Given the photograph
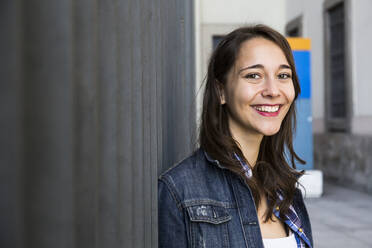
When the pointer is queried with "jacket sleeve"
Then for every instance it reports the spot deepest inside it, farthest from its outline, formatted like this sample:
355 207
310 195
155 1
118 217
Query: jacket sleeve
171 221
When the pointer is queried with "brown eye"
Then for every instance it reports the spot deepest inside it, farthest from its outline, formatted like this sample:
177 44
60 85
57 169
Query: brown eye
252 76
284 76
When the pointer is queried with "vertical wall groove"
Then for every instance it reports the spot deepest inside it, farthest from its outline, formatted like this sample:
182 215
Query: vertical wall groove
86 122
11 134
125 69
49 121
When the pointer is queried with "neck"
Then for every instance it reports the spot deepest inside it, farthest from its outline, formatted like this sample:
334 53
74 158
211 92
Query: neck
249 143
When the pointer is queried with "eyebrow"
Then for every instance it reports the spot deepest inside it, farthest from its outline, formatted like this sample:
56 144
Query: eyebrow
260 66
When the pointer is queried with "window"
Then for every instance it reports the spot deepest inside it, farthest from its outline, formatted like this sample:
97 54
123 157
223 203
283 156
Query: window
216 40
337 61
337 95
295 32
294 27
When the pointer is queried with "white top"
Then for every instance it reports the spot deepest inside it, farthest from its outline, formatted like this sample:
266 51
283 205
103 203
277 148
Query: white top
286 242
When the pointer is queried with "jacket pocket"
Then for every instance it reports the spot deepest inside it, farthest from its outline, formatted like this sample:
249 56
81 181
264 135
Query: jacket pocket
208 225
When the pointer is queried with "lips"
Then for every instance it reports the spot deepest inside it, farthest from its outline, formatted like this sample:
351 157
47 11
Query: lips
268 110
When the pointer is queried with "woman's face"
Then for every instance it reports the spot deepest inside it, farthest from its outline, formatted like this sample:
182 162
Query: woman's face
259 89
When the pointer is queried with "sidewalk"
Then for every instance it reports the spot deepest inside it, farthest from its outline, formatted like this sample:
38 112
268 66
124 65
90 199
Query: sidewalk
341 218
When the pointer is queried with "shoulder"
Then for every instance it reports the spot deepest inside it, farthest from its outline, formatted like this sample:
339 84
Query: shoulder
194 168
184 164
185 170
193 178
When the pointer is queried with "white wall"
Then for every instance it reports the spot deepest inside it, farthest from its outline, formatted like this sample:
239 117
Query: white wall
268 12
362 54
361 64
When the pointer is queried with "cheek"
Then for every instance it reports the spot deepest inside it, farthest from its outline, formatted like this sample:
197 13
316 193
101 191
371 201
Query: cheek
239 96
243 100
245 94
290 93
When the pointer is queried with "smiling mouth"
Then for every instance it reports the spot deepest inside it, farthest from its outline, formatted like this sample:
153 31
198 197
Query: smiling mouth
268 110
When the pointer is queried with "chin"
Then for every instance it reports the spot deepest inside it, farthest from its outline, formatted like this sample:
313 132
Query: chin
270 131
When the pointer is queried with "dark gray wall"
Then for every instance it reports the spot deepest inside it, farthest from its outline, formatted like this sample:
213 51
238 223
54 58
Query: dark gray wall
345 159
97 98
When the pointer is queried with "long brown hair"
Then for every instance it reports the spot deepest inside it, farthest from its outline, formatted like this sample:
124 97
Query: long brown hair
272 173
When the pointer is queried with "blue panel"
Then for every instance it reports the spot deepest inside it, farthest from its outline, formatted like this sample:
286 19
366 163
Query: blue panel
303 141
302 62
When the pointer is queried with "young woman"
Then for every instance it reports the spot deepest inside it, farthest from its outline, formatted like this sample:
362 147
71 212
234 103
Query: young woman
237 189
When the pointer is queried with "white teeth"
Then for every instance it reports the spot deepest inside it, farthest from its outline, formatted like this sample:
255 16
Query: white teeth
269 109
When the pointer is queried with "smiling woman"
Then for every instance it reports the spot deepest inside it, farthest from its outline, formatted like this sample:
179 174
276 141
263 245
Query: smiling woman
238 189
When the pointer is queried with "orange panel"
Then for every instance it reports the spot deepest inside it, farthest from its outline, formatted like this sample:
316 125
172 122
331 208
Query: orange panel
299 43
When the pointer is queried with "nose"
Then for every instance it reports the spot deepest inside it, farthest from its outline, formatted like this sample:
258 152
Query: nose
271 88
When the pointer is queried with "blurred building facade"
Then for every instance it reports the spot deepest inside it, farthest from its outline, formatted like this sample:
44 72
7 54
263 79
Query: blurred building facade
96 100
342 120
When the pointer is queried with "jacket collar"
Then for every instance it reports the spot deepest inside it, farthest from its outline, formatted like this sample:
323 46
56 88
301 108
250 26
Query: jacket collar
212 160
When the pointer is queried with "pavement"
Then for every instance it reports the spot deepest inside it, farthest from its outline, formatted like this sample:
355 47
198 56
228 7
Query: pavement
341 218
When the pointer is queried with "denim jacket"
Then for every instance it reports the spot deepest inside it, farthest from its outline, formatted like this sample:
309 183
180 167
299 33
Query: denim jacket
203 204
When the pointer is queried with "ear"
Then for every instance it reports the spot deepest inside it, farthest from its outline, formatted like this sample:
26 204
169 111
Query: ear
221 92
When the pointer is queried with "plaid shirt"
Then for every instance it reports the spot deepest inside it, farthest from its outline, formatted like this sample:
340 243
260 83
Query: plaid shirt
292 220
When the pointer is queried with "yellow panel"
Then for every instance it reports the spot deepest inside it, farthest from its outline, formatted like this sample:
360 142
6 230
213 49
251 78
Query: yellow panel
299 43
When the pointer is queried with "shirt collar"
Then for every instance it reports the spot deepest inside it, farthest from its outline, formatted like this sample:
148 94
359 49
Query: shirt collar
247 169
